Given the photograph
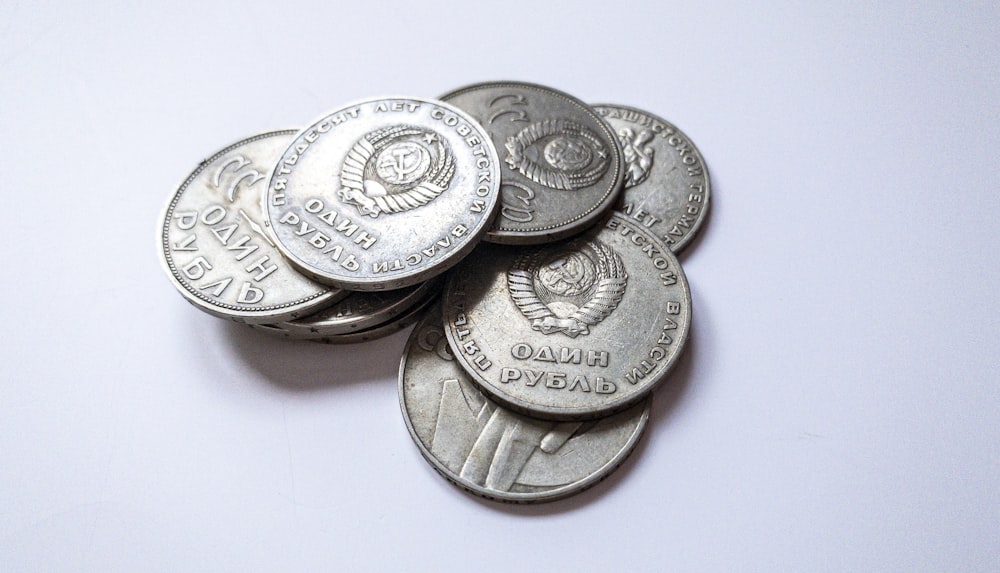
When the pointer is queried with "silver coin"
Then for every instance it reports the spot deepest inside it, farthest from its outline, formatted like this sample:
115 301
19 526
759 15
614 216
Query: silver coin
383 193
563 165
666 181
573 330
494 452
397 323
359 311
214 247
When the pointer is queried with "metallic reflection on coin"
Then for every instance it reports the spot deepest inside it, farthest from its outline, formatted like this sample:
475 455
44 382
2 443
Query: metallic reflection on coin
666 181
572 330
215 250
384 193
397 323
491 451
563 165
360 310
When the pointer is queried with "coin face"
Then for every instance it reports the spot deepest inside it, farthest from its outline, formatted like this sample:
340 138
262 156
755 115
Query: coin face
572 330
214 247
666 181
562 164
383 193
491 451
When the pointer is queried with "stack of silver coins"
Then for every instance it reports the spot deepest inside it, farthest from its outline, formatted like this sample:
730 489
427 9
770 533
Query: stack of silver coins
529 236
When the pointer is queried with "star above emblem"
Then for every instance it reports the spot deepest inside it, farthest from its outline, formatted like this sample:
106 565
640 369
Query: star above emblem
429 137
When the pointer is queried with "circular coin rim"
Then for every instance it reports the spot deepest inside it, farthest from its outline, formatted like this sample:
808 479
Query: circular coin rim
303 328
578 413
585 220
677 246
289 310
557 493
416 274
394 325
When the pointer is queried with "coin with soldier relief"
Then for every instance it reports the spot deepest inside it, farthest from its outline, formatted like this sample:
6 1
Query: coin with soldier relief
383 193
492 451
562 164
590 326
666 181
215 249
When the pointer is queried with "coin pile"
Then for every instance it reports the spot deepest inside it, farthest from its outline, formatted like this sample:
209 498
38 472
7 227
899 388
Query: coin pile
545 289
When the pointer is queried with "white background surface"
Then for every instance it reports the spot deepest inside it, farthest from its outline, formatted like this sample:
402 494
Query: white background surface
838 406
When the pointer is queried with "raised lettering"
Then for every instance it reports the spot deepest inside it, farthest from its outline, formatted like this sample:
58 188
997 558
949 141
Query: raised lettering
249 294
196 268
260 266
597 358
508 374
605 386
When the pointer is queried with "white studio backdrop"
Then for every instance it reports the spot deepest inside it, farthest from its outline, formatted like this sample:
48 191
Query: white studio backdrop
836 409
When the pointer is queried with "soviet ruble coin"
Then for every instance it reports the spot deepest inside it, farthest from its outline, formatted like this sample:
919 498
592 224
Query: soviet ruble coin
491 451
398 322
562 167
213 245
573 330
666 181
383 193
359 311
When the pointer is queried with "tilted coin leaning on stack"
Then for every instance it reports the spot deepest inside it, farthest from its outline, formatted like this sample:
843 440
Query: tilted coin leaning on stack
529 236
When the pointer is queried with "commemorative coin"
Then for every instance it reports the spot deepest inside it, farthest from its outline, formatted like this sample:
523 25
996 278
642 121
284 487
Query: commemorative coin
359 310
562 167
398 322
215 249
383 193
573 330
666 180
491 451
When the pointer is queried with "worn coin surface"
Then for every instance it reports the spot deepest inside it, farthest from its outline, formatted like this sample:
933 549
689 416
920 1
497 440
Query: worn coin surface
572 330
494 452
360 310
214 247
666 180
383 193
562 164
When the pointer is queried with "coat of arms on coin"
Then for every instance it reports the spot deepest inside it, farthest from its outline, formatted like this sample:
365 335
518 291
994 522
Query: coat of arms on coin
395 169
558 153
568 290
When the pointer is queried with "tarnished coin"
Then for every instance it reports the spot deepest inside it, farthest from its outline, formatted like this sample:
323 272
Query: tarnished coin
383 193
359 311
491 451
572 330
666 180
562 164
214 247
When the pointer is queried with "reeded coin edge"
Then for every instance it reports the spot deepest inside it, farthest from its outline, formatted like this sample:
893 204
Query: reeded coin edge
393 326
358 323
201 301
692 231
609 197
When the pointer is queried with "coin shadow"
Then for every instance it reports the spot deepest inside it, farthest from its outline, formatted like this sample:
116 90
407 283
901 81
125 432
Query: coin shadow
304 366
